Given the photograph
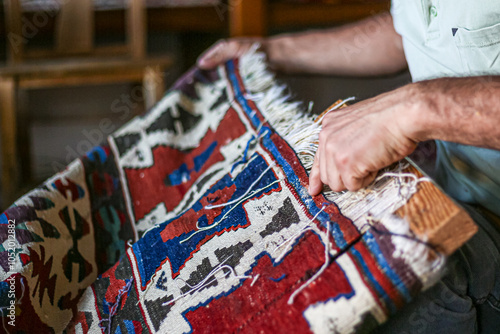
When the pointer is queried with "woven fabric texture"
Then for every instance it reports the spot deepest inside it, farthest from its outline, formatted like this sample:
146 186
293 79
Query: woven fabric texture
195 217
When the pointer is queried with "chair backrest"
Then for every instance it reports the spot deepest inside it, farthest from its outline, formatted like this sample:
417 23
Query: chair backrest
248 18
74 31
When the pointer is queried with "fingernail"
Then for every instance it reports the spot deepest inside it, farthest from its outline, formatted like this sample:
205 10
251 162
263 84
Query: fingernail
203 63
310 190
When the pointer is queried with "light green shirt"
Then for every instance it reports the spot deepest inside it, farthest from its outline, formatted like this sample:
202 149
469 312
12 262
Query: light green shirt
455 38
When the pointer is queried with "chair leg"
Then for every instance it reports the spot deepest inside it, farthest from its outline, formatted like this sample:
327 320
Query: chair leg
153 85
23 137
10 170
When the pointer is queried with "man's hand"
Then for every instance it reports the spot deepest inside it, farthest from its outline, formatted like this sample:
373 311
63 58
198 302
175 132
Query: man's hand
357 141
368 47
225 50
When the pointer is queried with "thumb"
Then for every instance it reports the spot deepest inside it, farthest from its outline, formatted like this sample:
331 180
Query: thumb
369 179
315 184
221 52
215 56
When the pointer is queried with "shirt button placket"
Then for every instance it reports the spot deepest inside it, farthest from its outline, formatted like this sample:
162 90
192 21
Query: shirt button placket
433 11
433 26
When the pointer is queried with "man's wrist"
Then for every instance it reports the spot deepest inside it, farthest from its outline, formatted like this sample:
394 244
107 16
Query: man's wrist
271 47
278 49
420 119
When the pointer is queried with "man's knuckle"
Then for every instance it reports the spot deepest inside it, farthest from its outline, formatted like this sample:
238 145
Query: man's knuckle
342 159
353 183
323 136
336 186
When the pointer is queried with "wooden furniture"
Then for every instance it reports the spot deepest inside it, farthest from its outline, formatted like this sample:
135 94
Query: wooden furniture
256 17
74 60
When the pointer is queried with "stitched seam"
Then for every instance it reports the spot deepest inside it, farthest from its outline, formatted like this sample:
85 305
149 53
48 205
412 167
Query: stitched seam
477 45
495 303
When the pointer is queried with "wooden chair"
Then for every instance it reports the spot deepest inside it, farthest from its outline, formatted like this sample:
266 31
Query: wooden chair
256 17
74 60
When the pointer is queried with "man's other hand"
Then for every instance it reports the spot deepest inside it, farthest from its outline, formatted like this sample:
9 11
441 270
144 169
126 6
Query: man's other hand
225 50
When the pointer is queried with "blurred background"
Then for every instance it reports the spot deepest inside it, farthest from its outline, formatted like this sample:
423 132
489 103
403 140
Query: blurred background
73 71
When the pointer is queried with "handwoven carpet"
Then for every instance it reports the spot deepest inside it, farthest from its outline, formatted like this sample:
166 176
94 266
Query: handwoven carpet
195 217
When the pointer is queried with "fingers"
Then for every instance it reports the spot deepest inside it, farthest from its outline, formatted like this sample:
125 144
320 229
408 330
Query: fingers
338 174
225 50
323 173
315 184
354 183
216 55
329 171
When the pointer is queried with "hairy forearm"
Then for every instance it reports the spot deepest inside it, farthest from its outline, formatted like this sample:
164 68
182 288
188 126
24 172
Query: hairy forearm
461 110
368 47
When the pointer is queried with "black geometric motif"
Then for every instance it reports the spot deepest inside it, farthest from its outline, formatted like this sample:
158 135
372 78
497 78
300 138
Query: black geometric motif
159 309
166 122
232 255
126 142
187 119
74 256
285 217
222 98
199 275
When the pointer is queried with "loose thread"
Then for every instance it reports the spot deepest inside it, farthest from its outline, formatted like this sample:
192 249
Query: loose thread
254 96
207 281
400 179
205 228
405 185
244 160
112 310
147 288
320 271
194 286
254 279
337 106
410 187
245 153
400 176
149 229
310 107
278 279
253 157
209 207
294 236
